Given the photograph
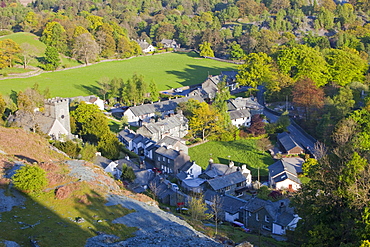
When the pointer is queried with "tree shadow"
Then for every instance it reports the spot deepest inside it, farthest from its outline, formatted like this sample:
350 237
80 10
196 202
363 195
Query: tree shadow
190 76
89 89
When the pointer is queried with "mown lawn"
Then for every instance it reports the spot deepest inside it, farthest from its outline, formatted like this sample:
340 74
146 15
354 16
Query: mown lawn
168 71
241 152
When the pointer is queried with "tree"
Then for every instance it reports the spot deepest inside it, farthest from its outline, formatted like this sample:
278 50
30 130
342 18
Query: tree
255 71
302 61
28 52
88 152
342 102
109 146
127 173
206 50
257 125
30 178
216 207
345 66
9 51
2 106
307 95
85 48
52 59
153 90
198 208
236 52
205 121
55 35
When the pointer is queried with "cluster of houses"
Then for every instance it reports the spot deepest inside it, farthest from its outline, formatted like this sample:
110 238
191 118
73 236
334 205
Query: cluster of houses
158 141
164 156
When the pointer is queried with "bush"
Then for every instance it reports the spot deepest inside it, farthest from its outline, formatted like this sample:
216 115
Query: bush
30 179
127 173
69 147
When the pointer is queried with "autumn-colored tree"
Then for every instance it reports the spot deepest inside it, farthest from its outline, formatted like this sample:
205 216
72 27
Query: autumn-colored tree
257 125
9 51
206 50
54 35
307 95
205 121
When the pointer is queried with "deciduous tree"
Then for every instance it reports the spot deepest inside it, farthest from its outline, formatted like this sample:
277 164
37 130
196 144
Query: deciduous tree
85 48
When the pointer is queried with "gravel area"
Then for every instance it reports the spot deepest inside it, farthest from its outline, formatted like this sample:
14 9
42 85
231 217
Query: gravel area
80 171
156 228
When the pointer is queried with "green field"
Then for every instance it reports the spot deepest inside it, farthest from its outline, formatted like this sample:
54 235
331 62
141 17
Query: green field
168 70
241 152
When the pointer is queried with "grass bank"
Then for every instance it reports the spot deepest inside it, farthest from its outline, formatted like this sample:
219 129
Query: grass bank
241 152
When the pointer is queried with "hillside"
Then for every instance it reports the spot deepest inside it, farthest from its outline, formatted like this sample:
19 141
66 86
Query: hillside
73 207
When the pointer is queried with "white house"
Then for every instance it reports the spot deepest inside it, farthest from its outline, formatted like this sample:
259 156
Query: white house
145 46
283 176
240 118
285 221
91 99
112 169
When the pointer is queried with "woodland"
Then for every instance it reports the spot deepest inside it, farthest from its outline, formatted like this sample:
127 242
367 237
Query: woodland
314 54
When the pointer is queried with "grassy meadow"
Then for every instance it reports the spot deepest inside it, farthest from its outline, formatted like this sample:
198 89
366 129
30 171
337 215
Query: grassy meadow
168 71
241 152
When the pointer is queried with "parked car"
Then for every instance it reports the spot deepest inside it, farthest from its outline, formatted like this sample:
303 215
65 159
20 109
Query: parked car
156 170
241 225
175 186
178 90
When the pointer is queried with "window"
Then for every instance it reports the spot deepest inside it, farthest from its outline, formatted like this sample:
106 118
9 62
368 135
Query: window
159 158
168 161
164 159
249 214
267 218
257 217
266 228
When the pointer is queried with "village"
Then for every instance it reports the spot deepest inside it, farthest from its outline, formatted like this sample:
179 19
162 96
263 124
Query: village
165 168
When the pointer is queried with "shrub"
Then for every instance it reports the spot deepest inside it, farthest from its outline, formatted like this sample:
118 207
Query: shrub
30 179
127 173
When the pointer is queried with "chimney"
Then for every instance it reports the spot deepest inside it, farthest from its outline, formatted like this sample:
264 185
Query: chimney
282 207
210 161
231 164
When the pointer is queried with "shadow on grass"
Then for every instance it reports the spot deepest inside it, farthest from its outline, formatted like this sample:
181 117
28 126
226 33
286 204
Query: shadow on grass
191 75
89 89
29 160
38 222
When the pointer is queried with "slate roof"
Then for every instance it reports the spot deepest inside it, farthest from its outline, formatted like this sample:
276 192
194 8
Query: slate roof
296 162
287 141
168 141
44 123
231 75
214 170
232 204
127 135
143 44
162 106
281 166
237 114
168 153
284 219
226 180
255 204
138 138
210 85
243 103
285 176
166 124
102 161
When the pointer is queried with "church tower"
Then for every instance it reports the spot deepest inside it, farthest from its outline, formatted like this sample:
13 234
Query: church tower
58 108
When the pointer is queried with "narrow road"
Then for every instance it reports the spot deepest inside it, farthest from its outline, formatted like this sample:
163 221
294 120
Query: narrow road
299 136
